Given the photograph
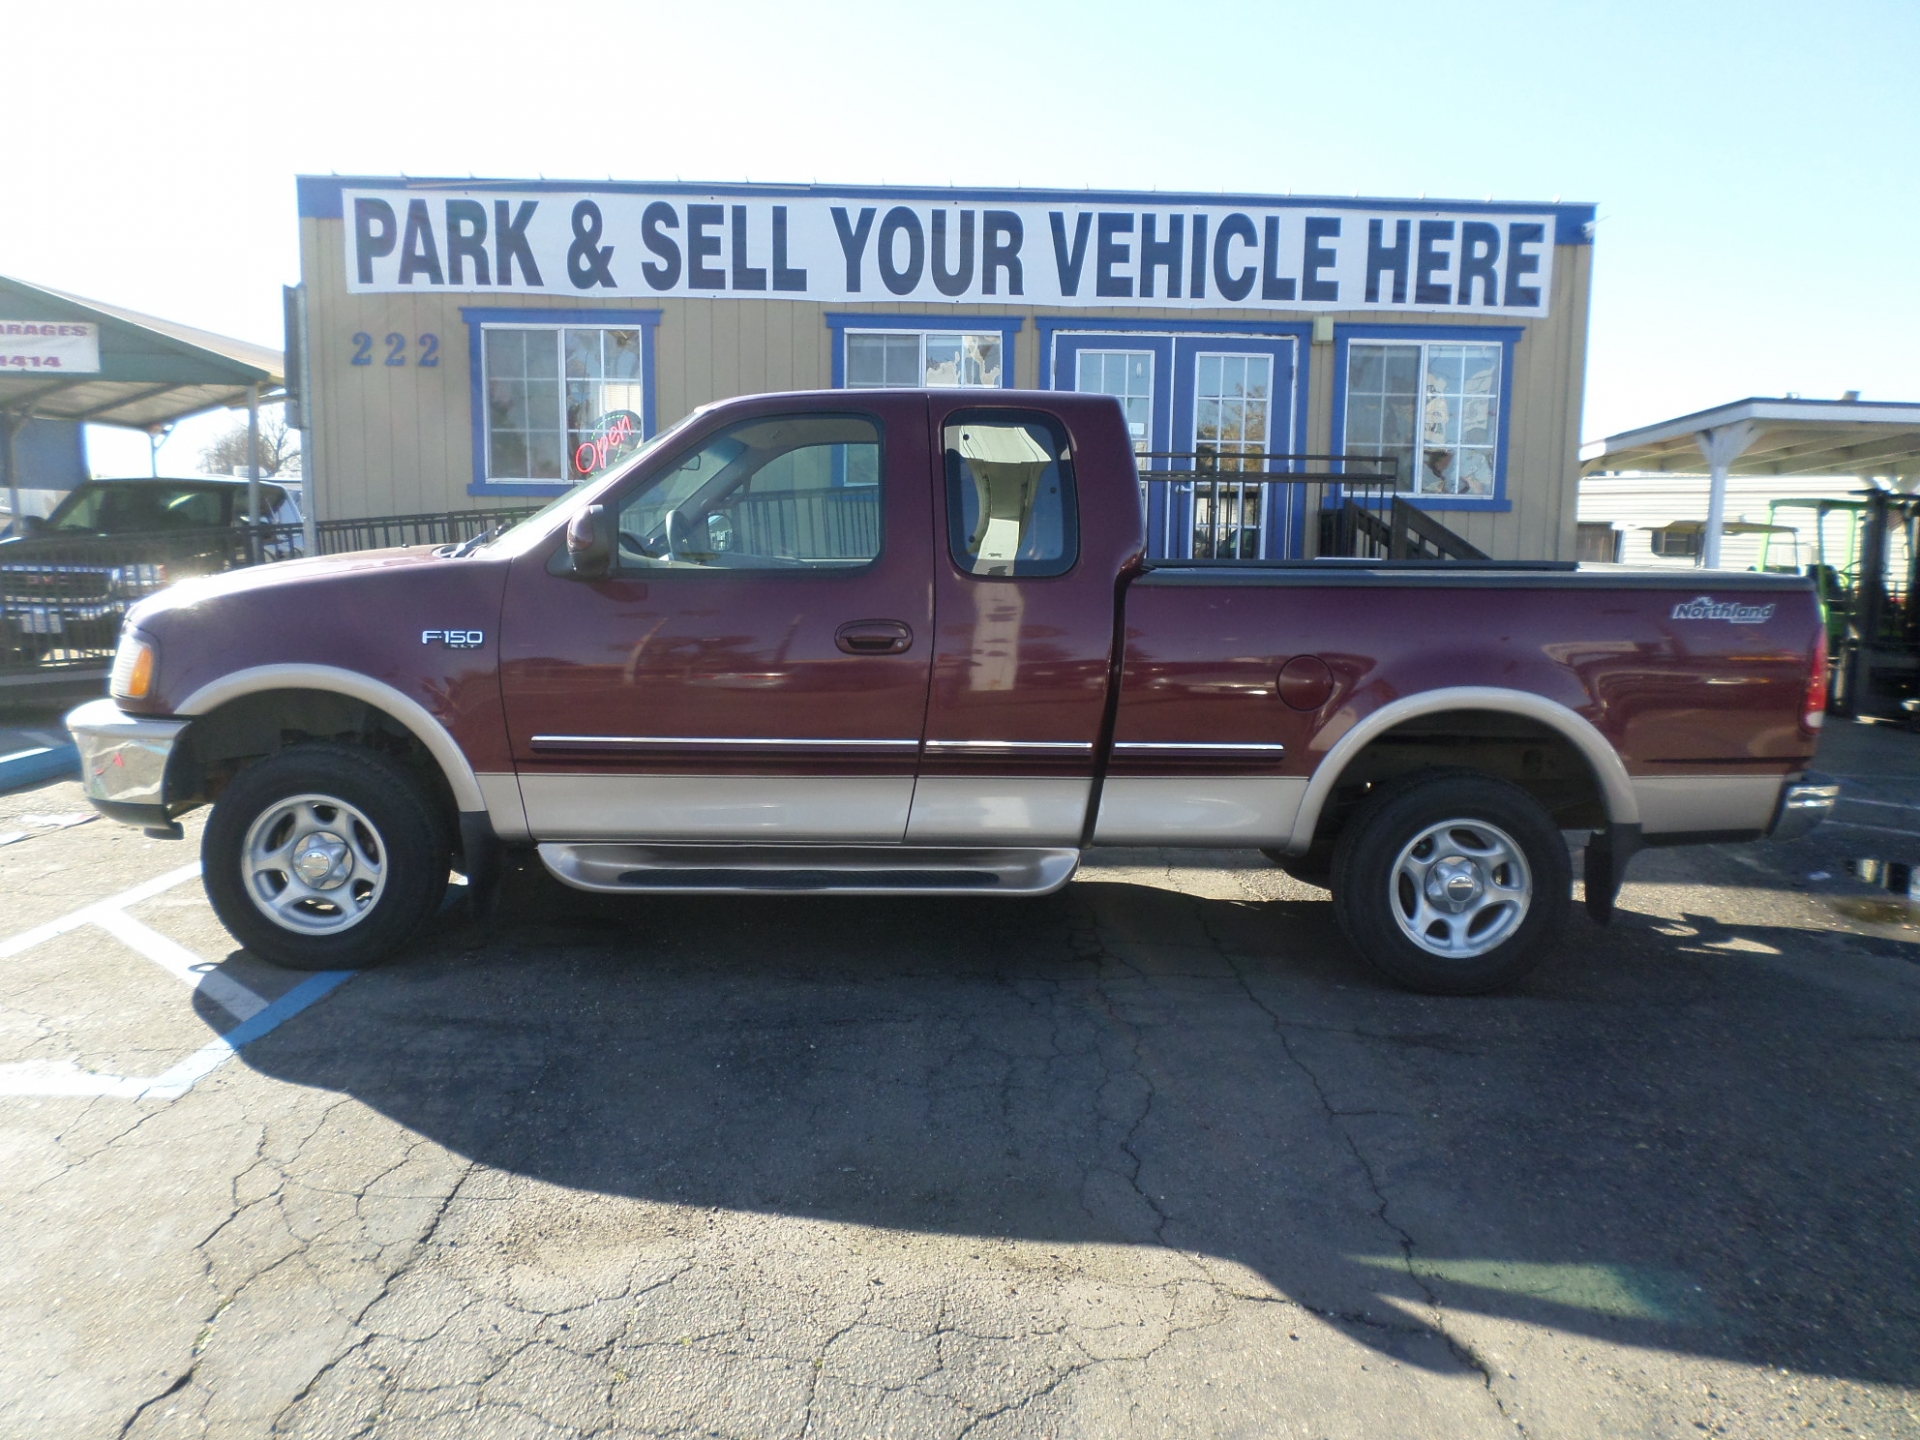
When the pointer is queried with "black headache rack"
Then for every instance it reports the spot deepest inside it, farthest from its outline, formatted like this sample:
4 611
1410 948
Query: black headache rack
63 597
1211 506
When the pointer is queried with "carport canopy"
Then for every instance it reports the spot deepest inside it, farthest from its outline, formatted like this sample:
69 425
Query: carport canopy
1873 439
147 372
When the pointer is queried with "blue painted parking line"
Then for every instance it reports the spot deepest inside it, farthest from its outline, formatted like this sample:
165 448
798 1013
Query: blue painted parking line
38 764
50 1079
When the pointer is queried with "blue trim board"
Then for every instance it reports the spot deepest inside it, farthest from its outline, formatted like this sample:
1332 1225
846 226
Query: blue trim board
319 197
841 321
478 316
1506 336
45 762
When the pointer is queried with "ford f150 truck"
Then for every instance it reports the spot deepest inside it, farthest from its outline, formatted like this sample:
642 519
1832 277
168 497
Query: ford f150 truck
907 642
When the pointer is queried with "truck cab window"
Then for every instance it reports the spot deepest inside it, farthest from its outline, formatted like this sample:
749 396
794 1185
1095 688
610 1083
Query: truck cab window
1010 501
784 492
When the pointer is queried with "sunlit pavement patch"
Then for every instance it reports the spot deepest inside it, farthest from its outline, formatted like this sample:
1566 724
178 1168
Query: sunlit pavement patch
256 1013
1630 1292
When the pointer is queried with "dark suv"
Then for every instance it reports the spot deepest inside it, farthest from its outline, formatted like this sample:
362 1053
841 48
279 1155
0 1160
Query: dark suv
66 580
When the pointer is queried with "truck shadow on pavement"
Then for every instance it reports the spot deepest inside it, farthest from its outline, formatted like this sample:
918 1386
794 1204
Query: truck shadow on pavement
1662 1141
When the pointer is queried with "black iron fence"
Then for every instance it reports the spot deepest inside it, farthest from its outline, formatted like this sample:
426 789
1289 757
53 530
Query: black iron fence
62 598
1219 505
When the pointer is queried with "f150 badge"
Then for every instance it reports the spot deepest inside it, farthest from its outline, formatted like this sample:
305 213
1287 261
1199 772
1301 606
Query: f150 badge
1708 608
454 639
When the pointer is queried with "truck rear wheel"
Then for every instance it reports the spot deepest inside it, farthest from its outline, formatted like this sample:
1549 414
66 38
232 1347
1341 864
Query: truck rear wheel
324 857
1452 883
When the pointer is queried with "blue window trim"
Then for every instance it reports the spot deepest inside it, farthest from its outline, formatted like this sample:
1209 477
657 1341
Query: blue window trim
1506 336
478 316
841 321
1300 332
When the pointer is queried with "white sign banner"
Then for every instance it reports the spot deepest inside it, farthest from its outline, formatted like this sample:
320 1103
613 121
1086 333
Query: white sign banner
43 345
619 243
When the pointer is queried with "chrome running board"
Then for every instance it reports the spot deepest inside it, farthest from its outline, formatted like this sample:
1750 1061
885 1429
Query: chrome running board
621 869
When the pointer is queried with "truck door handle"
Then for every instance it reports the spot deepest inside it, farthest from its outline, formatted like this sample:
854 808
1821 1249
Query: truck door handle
874 637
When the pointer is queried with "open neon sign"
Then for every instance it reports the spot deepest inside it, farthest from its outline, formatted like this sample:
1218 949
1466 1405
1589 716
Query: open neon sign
613 438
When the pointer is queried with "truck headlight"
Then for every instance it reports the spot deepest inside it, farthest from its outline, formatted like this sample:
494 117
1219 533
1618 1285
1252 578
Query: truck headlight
133 661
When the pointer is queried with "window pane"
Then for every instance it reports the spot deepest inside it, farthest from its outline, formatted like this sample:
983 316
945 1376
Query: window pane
1366 369
543 350
903 361
983 361
623 354
509 455
1010 505
506 352
1259 376
543 455
583 353
1209 375
777 493
943 360
866 361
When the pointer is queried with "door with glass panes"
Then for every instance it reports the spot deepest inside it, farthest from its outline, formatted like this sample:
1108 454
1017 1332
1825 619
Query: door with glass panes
1219 402
1233 408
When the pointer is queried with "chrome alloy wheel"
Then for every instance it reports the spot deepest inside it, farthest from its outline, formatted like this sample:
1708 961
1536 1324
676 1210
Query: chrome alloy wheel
1460 888
314 865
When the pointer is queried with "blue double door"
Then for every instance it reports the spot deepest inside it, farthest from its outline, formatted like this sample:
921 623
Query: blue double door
1223 403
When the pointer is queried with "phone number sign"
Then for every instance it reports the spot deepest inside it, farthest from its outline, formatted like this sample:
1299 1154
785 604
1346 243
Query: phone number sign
68 347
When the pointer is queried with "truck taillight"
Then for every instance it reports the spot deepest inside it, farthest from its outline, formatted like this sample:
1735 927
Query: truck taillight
1814 714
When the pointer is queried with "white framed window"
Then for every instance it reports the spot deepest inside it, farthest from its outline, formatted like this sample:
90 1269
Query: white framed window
1432 405
551 389
911 359
1127 375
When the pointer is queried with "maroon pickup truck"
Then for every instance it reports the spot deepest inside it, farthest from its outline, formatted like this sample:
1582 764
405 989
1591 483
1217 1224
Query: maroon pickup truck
907 643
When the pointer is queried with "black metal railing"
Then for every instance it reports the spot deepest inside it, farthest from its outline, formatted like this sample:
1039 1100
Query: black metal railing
1212 504
62 597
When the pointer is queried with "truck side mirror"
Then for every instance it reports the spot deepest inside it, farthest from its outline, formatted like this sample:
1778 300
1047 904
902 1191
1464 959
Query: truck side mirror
590 543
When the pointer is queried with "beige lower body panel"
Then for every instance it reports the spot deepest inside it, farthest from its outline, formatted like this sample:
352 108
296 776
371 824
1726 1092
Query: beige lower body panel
1676 804
998 810
779 809
1198 809
504 810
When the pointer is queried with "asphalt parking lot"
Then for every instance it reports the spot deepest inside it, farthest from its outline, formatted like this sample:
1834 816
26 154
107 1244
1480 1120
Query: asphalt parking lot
1153 1156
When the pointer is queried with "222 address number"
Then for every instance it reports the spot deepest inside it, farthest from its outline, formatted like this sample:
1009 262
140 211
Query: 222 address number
396 345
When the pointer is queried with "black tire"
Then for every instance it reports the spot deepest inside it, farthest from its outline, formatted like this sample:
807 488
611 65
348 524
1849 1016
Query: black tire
1503 928
1314 868
308 803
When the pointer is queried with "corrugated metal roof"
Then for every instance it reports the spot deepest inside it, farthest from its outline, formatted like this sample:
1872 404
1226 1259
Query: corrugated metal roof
152 371
1792 437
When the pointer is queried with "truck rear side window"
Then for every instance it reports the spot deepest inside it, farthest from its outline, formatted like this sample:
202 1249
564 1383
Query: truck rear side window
1010 501
780 493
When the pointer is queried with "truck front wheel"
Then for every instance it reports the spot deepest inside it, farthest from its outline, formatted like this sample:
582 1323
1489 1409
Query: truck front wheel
324 857
1452 883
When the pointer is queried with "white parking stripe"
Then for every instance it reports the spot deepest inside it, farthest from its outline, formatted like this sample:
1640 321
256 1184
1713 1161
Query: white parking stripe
51 1079
40 934
236 999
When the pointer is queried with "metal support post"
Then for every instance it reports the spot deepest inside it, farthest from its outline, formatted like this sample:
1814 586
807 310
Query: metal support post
253 473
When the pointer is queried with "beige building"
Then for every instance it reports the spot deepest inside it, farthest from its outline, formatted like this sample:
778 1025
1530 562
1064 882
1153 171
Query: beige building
480 343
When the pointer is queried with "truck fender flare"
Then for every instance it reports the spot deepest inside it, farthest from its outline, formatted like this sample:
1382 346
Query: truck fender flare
1615 785
408 711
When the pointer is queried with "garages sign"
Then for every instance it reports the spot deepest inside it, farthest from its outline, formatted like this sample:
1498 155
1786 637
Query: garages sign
43 345
1478 261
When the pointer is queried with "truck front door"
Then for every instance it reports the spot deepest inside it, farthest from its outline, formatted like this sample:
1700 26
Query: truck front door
756 666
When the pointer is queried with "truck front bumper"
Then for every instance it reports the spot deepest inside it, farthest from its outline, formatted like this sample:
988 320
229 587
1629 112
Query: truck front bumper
1804 803
123 761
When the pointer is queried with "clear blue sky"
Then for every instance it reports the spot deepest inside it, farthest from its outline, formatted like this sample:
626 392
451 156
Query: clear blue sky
1756 165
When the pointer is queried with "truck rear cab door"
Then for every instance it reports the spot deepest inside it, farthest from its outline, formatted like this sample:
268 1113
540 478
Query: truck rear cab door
1025 574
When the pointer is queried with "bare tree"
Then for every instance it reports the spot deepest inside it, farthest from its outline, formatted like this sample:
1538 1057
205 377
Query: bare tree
279 449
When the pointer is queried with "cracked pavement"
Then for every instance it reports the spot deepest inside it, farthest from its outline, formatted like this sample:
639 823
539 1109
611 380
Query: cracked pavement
1153 1156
